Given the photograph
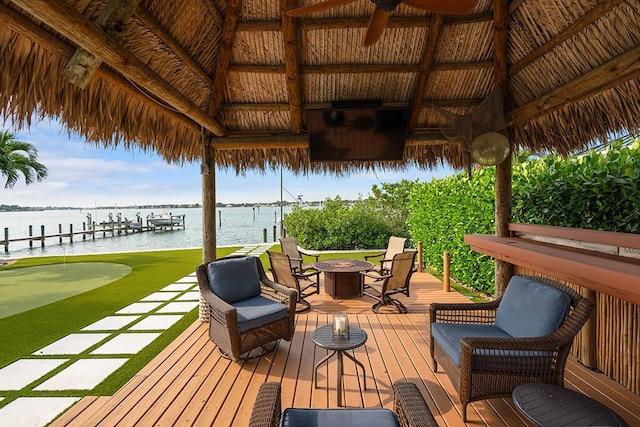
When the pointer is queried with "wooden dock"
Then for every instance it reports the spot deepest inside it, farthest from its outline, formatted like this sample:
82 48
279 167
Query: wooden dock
92 230
190 384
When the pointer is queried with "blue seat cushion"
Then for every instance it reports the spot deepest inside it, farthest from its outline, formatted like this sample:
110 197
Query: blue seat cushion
258 311
448 336
531 309
294 417
234 279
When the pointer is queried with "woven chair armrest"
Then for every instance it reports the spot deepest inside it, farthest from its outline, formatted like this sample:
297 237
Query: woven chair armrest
278 288
267 408
366 257
221 310
410 407
474 313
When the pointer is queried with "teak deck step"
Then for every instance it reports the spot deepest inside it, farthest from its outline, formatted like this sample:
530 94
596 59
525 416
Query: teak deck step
190 384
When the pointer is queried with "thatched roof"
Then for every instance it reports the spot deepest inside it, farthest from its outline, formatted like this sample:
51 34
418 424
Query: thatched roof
240 74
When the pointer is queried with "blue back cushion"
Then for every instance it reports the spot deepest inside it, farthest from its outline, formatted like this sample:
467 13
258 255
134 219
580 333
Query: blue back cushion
531 309
234 279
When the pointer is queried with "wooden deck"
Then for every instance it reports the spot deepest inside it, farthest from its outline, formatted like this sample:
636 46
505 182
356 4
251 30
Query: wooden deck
189 384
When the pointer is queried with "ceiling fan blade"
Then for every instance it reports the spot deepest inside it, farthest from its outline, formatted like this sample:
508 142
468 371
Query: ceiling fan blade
452 7
376 26
317 7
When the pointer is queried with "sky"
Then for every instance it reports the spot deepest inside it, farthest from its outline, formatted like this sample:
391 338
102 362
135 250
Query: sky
81 175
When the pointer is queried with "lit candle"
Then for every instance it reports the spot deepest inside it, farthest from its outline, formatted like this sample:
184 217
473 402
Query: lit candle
340 325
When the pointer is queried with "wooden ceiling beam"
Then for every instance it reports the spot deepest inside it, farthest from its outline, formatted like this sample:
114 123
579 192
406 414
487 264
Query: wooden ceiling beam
358 68
578 26
260 141
83 65
157 29
615 72
292 64
67 21
306 24
500 26
21 25
426 66
427 103
223 60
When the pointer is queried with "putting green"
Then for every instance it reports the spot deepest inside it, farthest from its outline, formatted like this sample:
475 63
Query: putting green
23 289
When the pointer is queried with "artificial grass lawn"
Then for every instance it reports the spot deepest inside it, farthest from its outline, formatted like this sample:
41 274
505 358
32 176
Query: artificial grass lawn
23 333
26 288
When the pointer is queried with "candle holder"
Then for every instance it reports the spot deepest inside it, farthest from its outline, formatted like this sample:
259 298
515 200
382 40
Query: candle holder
340 327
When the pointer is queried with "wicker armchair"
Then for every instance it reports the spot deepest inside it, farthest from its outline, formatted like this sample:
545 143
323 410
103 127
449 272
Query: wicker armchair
284 273
247 310
502 344
394 281
408 405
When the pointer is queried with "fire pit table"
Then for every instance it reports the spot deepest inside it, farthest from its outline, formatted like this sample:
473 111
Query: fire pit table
342 277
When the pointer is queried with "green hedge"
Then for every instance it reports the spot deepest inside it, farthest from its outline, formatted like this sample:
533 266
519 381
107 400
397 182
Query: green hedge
599 190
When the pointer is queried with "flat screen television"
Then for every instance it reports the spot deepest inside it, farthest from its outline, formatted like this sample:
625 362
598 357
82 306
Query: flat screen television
358 134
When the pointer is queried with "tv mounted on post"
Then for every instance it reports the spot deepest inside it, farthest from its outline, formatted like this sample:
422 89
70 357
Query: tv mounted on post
365 133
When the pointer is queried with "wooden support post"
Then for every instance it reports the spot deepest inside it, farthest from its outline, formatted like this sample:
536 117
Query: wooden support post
589 333
208 215
446 279
420 269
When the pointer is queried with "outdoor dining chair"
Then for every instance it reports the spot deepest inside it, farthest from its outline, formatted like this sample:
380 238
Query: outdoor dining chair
247 310
285 273
296 254
395 246
392 281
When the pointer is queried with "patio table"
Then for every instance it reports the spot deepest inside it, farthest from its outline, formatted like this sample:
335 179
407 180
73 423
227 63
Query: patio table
342 277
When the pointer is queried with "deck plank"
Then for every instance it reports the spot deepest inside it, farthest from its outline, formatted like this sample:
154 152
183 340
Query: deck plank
190 384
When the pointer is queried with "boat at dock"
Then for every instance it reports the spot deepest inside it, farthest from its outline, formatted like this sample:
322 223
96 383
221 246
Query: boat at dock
165 220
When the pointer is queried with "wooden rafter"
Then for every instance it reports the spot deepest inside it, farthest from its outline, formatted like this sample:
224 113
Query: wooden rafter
597 12
306 24
617 71
157 29
426 66
427 103
232 12
357 68
83 65
292 64
67 21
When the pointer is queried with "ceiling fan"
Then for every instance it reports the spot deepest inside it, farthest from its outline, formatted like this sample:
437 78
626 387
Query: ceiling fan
385 7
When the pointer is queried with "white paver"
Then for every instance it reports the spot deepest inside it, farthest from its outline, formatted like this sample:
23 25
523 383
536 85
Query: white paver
177 287
111 323
179 307
188 279
23 372
156 322
126 343
139 308
84 374
34 411
189 296
71 344
160 296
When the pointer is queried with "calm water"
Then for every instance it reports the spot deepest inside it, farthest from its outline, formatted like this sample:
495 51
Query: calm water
234 226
